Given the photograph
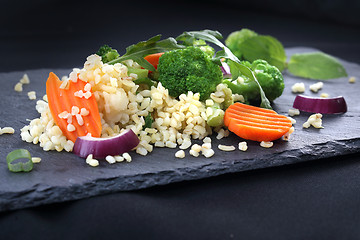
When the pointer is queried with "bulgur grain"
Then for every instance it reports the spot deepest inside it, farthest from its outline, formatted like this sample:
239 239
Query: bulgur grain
194 153
25 79
298 88
36 159
242 146
7 130
324 95
18 87
266 144
127 157
352 79
32 95
110 159
180 154
226 148
208 152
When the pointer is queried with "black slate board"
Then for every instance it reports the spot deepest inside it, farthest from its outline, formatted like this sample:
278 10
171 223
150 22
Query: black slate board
63 176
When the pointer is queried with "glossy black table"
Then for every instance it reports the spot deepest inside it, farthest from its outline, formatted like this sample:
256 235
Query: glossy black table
312 200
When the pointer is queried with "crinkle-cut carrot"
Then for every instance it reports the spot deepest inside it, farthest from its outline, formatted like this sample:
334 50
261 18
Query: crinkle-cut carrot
153 59
254 123
62 100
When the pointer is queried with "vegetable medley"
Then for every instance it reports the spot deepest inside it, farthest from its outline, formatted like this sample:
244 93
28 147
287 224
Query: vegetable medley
164 93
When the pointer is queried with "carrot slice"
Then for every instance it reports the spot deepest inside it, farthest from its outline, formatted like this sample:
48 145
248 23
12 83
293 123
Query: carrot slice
153 59
254 123
61 101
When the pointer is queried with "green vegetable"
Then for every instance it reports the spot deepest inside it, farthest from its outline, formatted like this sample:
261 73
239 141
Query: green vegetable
235 39
269 77
140 72
148 121
107 53
189 69
207 49
248 45
316 65
266 48
20 166
147 81
138 51
142 76
238 67
217 118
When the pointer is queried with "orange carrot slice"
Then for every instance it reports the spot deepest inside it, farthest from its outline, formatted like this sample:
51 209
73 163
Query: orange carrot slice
254 123
72 123
153 59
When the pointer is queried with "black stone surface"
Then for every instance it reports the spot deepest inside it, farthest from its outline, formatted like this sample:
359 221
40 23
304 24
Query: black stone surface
63 176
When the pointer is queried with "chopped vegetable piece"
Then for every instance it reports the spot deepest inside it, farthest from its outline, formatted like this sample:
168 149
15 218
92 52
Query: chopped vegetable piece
62 100
225 70
254 123
100 148
320 105
19 166
189 69
153 59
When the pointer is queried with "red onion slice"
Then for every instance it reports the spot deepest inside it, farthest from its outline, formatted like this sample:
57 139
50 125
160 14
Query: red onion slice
320 105
102 147
225 70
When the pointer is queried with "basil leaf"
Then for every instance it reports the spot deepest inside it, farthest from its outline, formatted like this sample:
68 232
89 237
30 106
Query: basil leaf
264 47
213 37
234 40
316 65
138 51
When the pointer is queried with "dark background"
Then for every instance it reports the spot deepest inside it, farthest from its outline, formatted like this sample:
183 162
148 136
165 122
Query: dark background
313 200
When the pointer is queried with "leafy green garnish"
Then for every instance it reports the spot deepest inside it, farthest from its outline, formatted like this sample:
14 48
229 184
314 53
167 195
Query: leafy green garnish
213 37
250 46
316 65
148 121
264 47
138 51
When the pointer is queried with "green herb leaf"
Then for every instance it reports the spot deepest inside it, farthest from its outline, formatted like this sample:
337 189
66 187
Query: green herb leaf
138 51
236 38
316 65
19 154
213 37
264 47
148 121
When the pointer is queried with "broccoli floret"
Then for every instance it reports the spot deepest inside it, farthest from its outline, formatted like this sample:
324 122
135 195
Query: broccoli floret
107 53
234 40
269 77
207 49
189 69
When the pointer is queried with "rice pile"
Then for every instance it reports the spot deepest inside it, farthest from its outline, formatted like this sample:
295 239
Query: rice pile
124 104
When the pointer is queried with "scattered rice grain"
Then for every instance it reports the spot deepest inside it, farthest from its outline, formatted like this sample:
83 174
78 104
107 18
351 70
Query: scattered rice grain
266 144
36 159
243 146
226 148
180 154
